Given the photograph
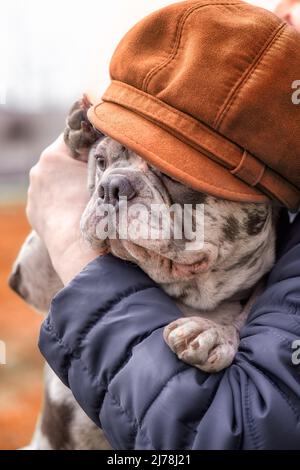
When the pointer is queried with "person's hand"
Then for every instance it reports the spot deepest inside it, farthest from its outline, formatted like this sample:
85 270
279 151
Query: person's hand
57 196
289 10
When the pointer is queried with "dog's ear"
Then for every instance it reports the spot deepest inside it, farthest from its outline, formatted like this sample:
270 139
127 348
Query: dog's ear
79 134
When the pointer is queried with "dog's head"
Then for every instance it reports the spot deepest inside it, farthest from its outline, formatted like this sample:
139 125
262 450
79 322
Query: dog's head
234 249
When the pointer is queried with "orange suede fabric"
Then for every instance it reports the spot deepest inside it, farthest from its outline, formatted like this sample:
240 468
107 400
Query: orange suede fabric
203 90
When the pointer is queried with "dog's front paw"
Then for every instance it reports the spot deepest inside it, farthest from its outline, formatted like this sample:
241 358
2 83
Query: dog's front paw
79 134
202 343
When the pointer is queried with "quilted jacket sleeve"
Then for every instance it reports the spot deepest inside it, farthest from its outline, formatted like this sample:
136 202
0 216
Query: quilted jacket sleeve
103 337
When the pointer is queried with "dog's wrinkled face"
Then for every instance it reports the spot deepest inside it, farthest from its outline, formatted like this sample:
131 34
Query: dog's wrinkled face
238 238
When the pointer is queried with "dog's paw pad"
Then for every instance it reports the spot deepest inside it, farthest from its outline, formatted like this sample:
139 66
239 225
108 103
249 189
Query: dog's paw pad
79 134
202 343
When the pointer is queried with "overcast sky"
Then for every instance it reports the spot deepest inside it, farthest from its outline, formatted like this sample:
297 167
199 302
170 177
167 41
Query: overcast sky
52 50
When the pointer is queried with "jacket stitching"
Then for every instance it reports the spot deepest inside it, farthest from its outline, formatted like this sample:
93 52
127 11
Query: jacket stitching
157 394
98 383
179 371
119 367
131 419
245 340
51 330
67 364
252 431
294 409
74 353
105 310
277 335
211 399
71 355
233 95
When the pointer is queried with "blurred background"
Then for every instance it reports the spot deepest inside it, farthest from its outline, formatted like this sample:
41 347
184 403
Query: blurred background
51 52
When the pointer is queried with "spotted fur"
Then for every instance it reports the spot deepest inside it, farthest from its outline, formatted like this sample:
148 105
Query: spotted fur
239 248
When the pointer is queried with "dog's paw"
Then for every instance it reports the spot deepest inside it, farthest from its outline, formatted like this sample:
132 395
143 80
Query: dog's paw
202 343
79 134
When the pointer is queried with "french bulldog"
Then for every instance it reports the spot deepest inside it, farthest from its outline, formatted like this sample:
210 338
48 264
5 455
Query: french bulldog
214 285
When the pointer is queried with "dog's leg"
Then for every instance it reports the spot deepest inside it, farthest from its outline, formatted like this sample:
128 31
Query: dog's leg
203 343
210 342
62 424
33 277
79 134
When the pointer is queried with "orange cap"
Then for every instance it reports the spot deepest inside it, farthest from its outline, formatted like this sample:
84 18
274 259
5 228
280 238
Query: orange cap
203 90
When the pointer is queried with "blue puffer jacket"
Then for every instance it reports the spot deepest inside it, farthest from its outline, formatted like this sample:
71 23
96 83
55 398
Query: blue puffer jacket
103 337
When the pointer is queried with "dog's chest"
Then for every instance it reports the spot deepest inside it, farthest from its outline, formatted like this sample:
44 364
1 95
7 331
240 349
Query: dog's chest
191 301
225 314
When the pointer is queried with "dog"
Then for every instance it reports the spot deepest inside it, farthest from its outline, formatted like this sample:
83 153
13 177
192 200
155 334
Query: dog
214 286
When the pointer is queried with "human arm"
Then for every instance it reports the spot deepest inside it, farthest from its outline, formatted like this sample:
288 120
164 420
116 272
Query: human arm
57 196
104 338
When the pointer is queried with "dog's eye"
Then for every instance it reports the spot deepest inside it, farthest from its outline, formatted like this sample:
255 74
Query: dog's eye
101 162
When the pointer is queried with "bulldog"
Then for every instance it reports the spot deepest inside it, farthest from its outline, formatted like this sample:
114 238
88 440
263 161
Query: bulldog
214 285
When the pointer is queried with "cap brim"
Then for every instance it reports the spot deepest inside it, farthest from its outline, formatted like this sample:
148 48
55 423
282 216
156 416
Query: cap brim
169 154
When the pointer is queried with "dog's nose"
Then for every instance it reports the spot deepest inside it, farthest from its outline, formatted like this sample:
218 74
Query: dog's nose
114 187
